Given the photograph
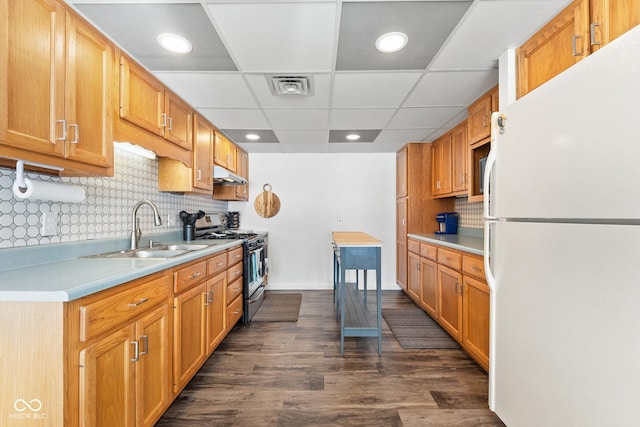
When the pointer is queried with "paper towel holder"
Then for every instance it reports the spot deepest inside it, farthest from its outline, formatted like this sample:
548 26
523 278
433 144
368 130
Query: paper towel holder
20 171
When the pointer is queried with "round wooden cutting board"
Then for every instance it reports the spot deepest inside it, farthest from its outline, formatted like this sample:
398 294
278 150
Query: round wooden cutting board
267 204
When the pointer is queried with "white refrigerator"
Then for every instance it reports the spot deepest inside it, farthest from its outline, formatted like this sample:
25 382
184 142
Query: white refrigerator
562 247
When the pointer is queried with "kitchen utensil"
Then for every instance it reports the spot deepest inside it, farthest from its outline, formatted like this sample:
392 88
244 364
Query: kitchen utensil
267 204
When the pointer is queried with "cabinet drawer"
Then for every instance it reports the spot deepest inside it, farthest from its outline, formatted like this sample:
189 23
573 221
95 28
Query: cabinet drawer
473 266
234 272
107 313
234 312
450 259
234 256
413 246
428 251
188 276
234 289
217 264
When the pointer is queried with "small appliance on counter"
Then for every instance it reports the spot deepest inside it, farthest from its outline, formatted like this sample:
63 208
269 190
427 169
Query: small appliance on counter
448 222
189 223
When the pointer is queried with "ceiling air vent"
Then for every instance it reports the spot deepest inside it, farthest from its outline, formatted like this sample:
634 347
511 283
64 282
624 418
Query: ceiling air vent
290 85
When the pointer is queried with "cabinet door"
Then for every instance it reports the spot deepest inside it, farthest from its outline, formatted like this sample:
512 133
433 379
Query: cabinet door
32 73
429 282
177 121
88 94
242 191
216 310
479 121
557 46
475 336
189 335
401 173
107 386
441 164
141 97
401 242
414 287
234 312
203 154
460 152
612 18
221 156
153 383
450 301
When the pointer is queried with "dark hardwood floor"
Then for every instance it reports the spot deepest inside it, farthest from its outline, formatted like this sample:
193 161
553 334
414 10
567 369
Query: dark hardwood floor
292 374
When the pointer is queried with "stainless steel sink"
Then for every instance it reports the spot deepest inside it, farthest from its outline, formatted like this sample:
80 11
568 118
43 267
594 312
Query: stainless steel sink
156 252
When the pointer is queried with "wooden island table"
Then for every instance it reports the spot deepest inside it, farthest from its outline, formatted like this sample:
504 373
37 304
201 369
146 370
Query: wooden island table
354 250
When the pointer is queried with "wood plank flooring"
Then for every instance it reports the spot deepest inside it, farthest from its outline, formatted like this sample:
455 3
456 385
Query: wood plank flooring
292 374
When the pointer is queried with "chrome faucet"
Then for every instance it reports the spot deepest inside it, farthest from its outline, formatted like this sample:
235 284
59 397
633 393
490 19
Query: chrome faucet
135 226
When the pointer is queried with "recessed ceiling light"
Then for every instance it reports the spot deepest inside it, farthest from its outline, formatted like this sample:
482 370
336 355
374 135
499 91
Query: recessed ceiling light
174 43
353 137
391 42
252 136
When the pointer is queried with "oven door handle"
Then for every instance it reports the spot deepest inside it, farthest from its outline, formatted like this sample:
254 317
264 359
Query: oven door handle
256 295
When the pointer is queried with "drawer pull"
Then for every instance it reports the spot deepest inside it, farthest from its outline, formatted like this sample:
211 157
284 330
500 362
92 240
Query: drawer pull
194 275
220 264
140 302
136 351
145 341
475 268
236 311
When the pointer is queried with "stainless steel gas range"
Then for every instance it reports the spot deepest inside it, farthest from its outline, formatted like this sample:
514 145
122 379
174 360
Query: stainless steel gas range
255 259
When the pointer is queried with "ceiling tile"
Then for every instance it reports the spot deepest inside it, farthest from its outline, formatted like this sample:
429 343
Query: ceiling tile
403 135
451 87
210 90
240 135
427 24
308 118
490 27
320 98
235 118
136 26
274 37
372 89
429 117
364 118
340 136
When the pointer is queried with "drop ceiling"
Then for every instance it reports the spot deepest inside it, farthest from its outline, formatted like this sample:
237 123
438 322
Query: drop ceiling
416 94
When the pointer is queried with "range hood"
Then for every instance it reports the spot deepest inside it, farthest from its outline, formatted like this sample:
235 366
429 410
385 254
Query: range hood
222 176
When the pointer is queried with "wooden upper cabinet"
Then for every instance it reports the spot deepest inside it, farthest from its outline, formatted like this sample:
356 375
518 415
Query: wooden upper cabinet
610 19
177 119
203 154
459 154
141 97
401 173
151 116
479 116
441 160
242 169
55 88
224 153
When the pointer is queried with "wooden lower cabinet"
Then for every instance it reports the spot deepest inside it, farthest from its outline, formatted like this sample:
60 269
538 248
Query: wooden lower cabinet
189 335
216 306
450 301
450 286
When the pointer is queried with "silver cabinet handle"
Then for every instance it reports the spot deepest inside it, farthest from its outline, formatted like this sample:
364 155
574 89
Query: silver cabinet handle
170 123
76 128
574 45
164 120
220 264
145 341
139 302
212 293
199 175
64 130
592 33
194 275
136 351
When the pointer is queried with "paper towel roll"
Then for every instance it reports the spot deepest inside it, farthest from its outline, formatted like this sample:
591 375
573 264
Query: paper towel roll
52 191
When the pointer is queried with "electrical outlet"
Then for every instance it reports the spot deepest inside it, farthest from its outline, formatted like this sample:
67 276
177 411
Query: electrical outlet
340 217
49 223
170 221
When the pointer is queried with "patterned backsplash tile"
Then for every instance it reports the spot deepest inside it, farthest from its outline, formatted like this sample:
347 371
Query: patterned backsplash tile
470 213
106 212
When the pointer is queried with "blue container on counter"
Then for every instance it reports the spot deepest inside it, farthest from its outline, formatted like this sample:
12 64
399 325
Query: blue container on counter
448 222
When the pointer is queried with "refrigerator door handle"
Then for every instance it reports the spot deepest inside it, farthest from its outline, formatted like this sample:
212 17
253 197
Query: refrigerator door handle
497 126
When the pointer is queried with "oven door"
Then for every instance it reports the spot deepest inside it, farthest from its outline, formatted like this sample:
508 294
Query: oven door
256 269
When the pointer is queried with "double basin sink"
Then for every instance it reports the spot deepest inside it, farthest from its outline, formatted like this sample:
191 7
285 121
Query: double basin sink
158 251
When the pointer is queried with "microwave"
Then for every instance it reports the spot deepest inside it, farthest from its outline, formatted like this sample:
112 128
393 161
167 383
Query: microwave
482 162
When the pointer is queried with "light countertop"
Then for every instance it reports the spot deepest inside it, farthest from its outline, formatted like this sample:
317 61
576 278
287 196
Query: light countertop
57 272
472 242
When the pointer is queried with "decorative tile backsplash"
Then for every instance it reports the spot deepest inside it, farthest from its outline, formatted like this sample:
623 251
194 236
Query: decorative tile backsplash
470 213
106 212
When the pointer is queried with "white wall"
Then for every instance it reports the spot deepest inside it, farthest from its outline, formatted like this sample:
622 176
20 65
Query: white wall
313 189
